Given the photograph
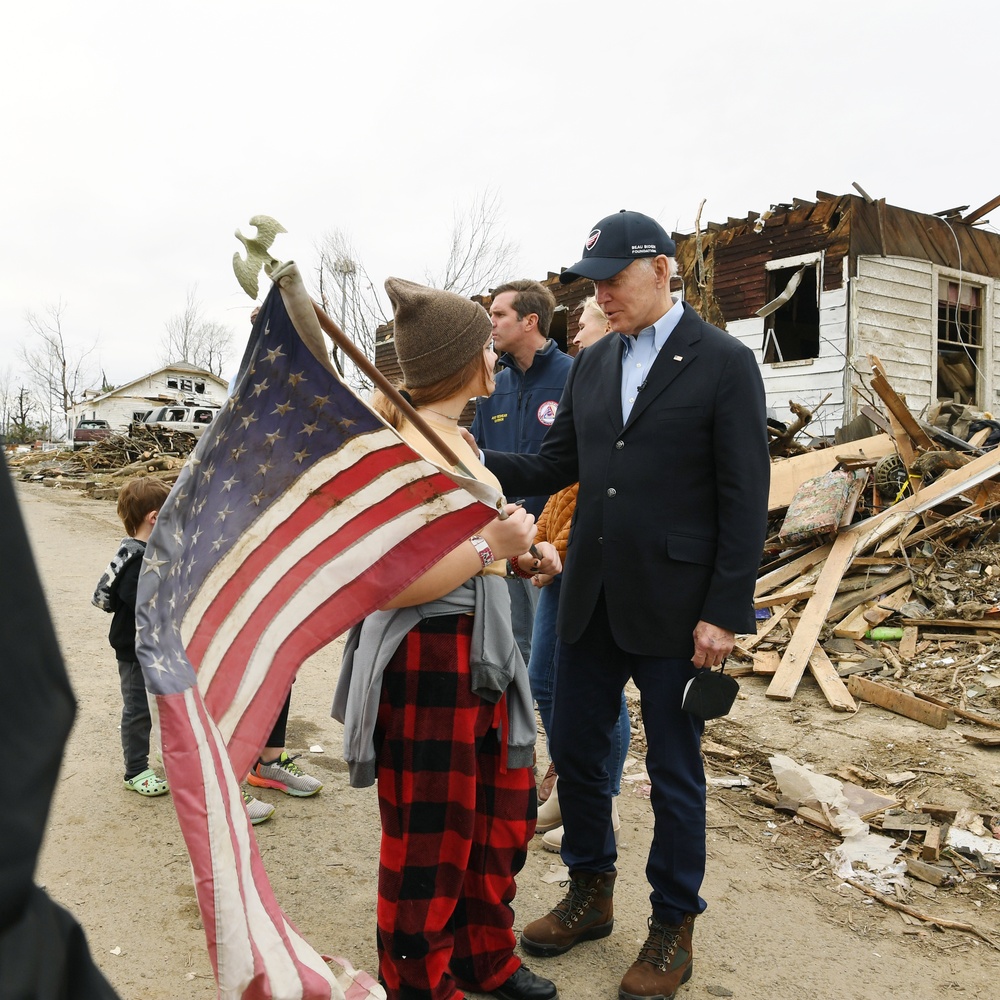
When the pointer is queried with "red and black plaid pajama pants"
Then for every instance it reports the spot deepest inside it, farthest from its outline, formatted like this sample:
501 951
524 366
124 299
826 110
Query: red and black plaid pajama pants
455 822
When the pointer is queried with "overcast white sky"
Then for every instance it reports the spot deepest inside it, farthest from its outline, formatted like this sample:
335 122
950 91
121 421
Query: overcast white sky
138 136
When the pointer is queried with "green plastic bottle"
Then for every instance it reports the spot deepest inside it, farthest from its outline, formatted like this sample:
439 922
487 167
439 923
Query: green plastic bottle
883 634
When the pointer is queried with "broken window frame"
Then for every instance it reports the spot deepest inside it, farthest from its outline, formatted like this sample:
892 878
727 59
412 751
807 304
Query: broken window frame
973 299
771 350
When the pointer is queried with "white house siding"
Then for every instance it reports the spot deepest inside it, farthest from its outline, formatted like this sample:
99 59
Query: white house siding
119 405
894 307
805 382
992 398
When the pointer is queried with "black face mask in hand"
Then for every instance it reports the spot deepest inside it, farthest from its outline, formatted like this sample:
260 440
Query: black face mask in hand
710 694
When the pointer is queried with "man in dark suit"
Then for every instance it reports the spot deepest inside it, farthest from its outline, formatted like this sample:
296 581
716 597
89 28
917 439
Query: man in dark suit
664 427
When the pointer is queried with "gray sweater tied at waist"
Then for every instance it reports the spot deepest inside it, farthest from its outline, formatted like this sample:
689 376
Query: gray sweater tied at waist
495 663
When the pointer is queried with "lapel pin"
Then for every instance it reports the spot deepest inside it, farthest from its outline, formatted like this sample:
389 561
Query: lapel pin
678 357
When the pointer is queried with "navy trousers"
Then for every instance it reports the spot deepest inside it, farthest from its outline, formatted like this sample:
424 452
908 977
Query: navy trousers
590 677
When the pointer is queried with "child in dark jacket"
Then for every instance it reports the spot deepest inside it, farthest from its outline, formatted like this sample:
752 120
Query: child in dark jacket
139 502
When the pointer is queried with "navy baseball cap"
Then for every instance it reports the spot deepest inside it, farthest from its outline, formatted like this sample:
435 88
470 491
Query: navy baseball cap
617 241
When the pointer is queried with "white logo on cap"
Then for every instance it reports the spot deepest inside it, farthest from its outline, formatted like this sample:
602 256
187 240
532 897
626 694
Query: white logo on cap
592 239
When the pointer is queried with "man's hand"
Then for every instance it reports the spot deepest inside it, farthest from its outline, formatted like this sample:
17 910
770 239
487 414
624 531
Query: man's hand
470 441
711 644
546 563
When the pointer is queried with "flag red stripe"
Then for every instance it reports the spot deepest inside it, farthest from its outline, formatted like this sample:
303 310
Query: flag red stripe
300 520
338 612
225 681
183 762
342 484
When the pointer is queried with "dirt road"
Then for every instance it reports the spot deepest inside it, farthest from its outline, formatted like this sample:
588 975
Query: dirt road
779 924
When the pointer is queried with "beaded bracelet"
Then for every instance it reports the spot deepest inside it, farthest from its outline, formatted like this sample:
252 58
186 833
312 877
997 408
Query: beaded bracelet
518 571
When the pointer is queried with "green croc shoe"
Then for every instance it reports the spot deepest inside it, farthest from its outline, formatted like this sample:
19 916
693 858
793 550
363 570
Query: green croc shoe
148 783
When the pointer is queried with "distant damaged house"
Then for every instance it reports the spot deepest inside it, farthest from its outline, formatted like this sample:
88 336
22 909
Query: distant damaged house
814 288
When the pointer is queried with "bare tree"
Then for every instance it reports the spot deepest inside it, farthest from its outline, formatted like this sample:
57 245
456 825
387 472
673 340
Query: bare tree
6 400
191 338
19 426
59 374
348 295
481 255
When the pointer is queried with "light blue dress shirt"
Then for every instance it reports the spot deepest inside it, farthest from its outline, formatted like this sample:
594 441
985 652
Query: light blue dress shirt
640 353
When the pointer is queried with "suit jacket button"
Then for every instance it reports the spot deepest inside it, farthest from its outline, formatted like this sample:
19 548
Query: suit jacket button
600 539
612 492
619 445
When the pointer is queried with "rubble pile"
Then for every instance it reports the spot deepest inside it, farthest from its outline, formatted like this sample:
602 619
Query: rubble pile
100 468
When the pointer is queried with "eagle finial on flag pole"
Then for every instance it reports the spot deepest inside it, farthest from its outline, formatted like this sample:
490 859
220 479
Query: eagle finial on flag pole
248 270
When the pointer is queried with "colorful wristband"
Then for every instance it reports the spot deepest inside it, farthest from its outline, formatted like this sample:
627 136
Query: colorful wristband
517 569
483 549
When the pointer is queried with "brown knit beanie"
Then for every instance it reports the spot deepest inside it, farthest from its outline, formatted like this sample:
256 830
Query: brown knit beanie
437 333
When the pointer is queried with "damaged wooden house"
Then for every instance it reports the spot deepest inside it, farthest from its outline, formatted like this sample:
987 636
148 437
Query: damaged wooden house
815 287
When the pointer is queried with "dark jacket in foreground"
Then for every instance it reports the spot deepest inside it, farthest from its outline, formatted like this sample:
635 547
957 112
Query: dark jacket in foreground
671 515
43 950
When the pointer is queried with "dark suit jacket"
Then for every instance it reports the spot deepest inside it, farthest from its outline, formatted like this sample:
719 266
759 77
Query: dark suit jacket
672 510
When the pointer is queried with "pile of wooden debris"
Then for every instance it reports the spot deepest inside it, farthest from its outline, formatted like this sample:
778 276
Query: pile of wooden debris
885 560
99 469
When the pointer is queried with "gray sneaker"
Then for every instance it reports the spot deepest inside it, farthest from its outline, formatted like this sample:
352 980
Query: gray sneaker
259 812
285 775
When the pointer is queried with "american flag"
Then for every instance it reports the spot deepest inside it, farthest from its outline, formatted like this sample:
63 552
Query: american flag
299 513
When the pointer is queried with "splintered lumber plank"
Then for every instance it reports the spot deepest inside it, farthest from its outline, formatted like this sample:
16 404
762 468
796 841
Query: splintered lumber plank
826 676
813 816
889 605
799 649
712 749
906 452
765 664
931 850
857 488
896 407
979 438
988 624
783 597
882 585
792 570
930 874
983 720
855 624
898 701
776 617
908 644
787 474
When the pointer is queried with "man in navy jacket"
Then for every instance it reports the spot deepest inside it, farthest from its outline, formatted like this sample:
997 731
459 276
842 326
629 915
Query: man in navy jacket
523 405
663 425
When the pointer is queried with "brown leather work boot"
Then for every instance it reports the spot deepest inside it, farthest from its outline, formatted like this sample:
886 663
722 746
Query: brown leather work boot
664 963
545 788
586 913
